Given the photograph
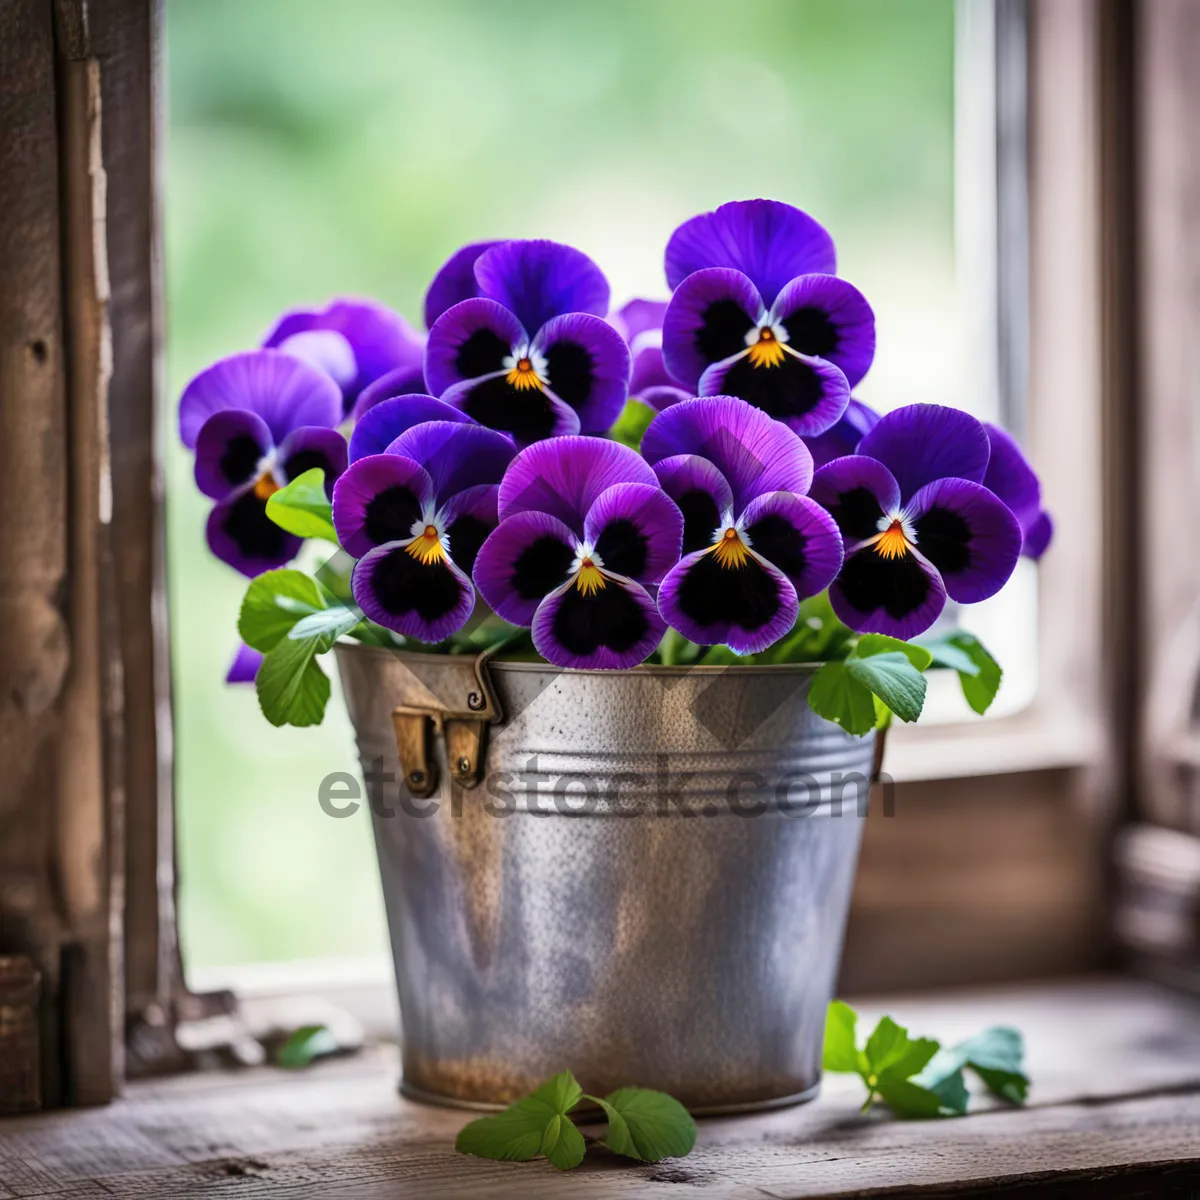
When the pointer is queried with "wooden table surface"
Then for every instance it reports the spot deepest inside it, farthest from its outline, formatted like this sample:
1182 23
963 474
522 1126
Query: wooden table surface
1114 1111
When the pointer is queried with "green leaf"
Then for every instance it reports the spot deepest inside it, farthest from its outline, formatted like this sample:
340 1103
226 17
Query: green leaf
838 696
886 1046
841 1044
953 1094
536 1124
946 654
980 690
326 626
908 1099
305 1044
292 689
273 603
995 1055
647 1125
817 635
633 422
303 508
870 644
893 679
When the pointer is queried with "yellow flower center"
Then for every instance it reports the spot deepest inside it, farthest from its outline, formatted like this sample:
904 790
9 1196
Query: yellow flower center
892 543
265 486
589 579
729 550
768 351
427 547
523 377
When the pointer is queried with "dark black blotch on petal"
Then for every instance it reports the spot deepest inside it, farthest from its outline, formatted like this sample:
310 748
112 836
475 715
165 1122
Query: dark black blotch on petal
240 459
622 548
700 519
608 617
777 539
746 596
811 331
391 515
525 413
945 539
402 584
790 389
897 585
723 328
571 370
541 567
256 535
466 535
857 513
305 460
482 353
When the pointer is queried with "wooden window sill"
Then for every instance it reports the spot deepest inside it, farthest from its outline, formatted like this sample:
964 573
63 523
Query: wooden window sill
1115 1111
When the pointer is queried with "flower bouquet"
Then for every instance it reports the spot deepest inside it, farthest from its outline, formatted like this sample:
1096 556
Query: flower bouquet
665 537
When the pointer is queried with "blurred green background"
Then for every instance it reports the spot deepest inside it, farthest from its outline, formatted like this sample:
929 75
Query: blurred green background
318 149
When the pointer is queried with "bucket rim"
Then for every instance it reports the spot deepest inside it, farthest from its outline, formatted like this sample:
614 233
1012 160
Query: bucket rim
654 670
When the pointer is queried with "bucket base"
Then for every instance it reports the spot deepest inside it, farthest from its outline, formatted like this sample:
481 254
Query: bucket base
712 1110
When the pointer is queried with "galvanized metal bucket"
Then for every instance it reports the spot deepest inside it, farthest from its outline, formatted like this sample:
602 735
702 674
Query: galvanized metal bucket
642 876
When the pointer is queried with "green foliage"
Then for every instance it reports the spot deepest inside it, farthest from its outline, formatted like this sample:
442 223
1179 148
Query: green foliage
273 603
303 508
304 1045
633 422
978 672
642 1124
915 1077
877 669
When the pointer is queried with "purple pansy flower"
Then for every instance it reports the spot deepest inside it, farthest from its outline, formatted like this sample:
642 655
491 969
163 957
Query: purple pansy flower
245 665
754 544
640 323
585 532
917 520
355 341
415 516
1010 477
257 420
758 313
529 354
841 439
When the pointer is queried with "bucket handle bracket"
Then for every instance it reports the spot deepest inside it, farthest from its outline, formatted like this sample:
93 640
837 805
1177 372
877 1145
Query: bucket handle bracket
461 720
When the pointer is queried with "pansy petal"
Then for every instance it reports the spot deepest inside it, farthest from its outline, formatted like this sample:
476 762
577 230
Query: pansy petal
304 449
404 381
382 424
327 350
245 665
648 370
636 530
468 341
968 534
564 476
753 452
856 491
587 367
610 628
470 517
1038 536
806 394
522 561
1011 478
923 442
381 338
229 448
285 391
659 398
526 415
843 437
798 536
901 596
455 281
378 500
707 321
424 600
456 455
769 241
701 493
240 533
746 606
826 317
539 279
639 316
